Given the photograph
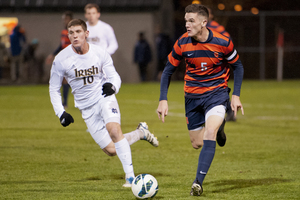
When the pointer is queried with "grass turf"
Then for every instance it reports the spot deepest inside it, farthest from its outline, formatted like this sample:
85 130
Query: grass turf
40 159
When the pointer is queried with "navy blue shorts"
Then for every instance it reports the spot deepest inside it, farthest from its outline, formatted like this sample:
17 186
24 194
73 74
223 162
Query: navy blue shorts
196 108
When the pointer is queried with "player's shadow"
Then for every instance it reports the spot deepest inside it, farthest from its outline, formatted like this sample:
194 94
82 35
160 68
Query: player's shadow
116 177
244 183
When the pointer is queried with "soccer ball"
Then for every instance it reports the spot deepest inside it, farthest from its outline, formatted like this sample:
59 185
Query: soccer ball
144 186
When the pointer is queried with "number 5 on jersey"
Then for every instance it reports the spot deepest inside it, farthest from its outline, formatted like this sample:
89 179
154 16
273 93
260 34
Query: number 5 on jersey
203 66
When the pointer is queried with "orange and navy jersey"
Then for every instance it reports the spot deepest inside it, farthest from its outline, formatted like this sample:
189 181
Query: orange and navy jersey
215 26
207 64
64 39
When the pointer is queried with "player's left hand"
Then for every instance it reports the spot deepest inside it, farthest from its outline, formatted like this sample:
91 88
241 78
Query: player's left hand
108 89
236 104
66 119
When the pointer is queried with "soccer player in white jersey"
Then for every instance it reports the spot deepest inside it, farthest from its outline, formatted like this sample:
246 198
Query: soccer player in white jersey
101 33
91 74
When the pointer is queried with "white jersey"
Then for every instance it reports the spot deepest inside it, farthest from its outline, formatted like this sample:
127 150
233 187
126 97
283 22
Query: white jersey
85 74
102 34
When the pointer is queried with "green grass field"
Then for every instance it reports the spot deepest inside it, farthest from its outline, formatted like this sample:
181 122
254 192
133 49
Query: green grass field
40 159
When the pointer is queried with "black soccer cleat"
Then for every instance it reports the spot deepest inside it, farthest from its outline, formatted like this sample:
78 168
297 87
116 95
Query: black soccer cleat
221 136
230 116
197 189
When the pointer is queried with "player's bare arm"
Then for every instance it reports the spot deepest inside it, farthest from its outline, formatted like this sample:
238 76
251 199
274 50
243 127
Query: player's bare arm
162 110
236 104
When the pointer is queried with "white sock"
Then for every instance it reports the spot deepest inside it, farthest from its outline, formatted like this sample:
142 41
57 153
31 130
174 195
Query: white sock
124 153
133 136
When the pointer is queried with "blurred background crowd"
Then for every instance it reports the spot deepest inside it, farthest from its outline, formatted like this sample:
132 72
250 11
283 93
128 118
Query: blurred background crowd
265 33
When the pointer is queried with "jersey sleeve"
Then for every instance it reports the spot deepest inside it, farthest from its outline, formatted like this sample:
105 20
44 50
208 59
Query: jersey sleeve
111 41
231 54
174 59
165 80
232 58
110 72
175 56
238 73
55 82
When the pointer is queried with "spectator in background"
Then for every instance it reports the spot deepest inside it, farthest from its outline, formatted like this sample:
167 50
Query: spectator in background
100 33
142 55
64 42
31 67
17 42
3 56
163 47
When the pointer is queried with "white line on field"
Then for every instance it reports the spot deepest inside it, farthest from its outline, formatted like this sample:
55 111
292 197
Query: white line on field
280 118
271 106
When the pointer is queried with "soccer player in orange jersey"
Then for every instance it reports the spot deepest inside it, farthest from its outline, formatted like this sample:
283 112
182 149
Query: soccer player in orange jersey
207 55
215 26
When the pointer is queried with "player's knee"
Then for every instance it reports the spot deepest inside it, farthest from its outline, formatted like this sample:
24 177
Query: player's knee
115 133
110 151
197 145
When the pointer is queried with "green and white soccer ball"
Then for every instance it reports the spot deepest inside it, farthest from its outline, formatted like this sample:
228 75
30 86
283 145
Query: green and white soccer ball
144 186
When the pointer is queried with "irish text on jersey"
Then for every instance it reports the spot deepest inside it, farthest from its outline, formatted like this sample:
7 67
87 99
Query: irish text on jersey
87 75
86 72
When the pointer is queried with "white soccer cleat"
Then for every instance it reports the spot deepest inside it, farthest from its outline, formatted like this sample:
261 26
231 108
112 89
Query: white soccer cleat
128 182
147 135
197 189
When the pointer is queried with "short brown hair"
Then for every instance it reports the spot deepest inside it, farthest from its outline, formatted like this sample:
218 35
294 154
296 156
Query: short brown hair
77 22
197 8
92 5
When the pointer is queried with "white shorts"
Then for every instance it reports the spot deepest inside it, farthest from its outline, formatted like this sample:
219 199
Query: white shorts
219 110
98 115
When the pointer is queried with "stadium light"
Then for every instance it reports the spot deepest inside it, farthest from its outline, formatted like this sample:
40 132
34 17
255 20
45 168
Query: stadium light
238 8
196 2
254 11
221 6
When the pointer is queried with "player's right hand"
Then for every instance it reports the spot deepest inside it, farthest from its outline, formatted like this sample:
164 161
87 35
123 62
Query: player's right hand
162 110
66 119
